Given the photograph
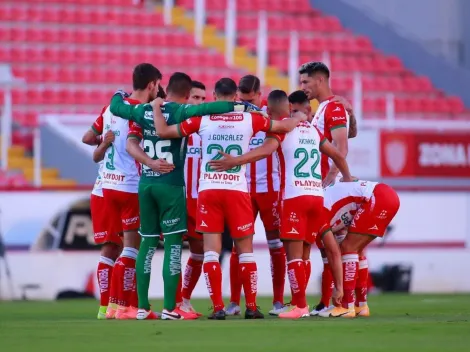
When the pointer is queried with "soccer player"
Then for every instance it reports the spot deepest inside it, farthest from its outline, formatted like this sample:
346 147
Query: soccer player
332 119
120 181
162 193
302 213
364 209
263 185
111 246
223 196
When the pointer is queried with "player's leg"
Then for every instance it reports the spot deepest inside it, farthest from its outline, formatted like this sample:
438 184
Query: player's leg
173 222
238 214
150 233
129 206
361 286
210 223
193 270
268 204
306 258
108 253
327 283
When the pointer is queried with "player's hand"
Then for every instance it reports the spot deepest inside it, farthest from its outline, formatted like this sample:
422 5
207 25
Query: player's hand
122 93
108 137
157 102
337 297
300 115
224 164
161 92
348 179
162 166
347 105
329 179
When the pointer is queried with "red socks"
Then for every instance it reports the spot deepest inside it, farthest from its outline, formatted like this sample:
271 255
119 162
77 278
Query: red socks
278 269
124 277
104 273
192 273
327 283
296 275
308 271
350 266
235 283
248 274
362 281
213 276
179 296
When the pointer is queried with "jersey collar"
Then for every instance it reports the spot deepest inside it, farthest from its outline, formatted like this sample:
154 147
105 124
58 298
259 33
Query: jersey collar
133 101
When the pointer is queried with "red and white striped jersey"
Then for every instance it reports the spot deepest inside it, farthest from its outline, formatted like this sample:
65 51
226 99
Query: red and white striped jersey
299 161
229 133
343 199
120 171
263 175
97 127
328 117
192 166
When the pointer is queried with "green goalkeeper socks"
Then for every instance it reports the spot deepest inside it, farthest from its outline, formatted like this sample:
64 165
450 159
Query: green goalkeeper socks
143 268
171 269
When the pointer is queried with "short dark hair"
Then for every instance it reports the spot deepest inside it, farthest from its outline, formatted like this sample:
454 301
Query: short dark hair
298 97
225 87
199 85
161 92
143 75
248 84
277 96
313 67
180 84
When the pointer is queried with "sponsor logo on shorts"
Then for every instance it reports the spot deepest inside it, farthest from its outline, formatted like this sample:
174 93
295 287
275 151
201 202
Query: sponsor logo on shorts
203 224
293 231
231 117
202 209
171 222
293 217
374 228
383 215
99 235
130 221
245 227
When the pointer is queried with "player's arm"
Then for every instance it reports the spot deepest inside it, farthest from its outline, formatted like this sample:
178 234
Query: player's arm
333 253
135 113
340 161
287 125
100 151
135 150
352 132
263 151
216 107
93 135
161 127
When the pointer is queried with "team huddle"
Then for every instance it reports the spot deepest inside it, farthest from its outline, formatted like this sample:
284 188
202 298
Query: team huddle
174 167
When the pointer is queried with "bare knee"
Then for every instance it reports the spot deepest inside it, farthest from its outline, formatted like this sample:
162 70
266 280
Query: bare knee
196 246
244 245
111 250
131 239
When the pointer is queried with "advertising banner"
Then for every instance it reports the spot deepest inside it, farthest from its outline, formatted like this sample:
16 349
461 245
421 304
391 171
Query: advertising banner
414 154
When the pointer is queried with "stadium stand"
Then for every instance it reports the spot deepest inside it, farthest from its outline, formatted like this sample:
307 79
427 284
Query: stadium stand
75 53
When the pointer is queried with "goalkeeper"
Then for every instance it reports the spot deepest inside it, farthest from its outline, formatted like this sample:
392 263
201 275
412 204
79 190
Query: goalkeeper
162 197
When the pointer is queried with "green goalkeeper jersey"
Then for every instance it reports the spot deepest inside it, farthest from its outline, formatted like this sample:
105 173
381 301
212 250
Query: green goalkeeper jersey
172 150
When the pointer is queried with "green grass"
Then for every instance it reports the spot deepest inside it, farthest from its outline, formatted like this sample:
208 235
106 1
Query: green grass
399 323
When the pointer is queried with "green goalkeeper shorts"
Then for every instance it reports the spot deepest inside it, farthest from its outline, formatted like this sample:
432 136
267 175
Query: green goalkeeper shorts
162 209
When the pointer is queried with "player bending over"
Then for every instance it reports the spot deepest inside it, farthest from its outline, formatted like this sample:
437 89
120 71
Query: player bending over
161 189
363 209
223 196
302 213
263 184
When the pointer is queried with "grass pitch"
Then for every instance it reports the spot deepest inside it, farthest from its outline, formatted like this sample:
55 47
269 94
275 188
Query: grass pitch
399 323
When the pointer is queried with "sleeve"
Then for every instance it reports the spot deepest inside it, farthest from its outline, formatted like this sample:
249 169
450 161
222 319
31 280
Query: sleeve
135 131
97 126
216 107
189 126
277 136
322 137
138 113
260 123
335 116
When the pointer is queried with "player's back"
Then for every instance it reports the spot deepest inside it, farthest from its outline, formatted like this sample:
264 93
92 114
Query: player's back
299 161
192 165
229 133
342 200
120 171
